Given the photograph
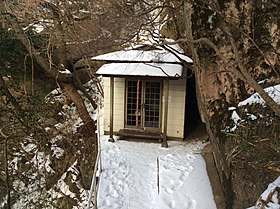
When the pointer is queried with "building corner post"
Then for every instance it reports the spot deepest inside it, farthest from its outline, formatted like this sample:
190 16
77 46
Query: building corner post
111 139
166 95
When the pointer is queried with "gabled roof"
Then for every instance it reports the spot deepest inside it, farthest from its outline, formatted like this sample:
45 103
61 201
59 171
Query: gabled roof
157 62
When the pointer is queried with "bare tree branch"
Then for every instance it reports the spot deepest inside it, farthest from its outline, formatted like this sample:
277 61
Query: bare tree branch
50 69
242 74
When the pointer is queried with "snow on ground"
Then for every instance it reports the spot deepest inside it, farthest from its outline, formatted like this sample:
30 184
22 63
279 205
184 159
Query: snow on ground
269 199
129 177
272 91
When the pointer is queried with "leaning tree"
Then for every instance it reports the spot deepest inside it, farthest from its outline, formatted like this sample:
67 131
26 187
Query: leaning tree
235 49
56 41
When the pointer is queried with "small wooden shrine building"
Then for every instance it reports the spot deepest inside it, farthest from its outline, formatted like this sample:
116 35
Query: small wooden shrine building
144 93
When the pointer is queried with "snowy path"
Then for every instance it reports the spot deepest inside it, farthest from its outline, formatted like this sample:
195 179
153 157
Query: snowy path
129 179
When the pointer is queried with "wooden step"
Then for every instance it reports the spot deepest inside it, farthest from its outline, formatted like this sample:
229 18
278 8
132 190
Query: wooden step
136 133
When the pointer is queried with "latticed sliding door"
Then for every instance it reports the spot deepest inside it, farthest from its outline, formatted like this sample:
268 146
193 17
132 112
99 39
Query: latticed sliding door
143 104
152 104
133 104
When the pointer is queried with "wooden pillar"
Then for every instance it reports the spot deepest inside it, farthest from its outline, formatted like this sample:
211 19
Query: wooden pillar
111 139
166 95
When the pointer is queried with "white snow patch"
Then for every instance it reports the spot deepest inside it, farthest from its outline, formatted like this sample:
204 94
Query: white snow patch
47 165
14 163
29 147
130 172
138 55
158 65
251 116
235 117
66 71
69 113
210 20
262 81
274 201
57 151
272 91
141 69
39 160
62 186
231 108
41 25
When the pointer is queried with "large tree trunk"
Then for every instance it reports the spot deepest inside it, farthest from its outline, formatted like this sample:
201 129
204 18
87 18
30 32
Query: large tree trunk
234 45
223 82
89 123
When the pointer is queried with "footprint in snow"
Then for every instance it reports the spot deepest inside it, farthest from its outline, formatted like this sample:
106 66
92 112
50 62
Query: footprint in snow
122 164
119 186
183 175
113 163
169 190
192 204
173 204
108 174
114 193
112 149
173 185
170 203
190 157
179 184
105 204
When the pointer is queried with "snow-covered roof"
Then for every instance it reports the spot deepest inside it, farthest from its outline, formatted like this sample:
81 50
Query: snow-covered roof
153 63
140 69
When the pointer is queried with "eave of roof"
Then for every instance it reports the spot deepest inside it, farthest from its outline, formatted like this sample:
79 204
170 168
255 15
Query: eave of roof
140 69
151 63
